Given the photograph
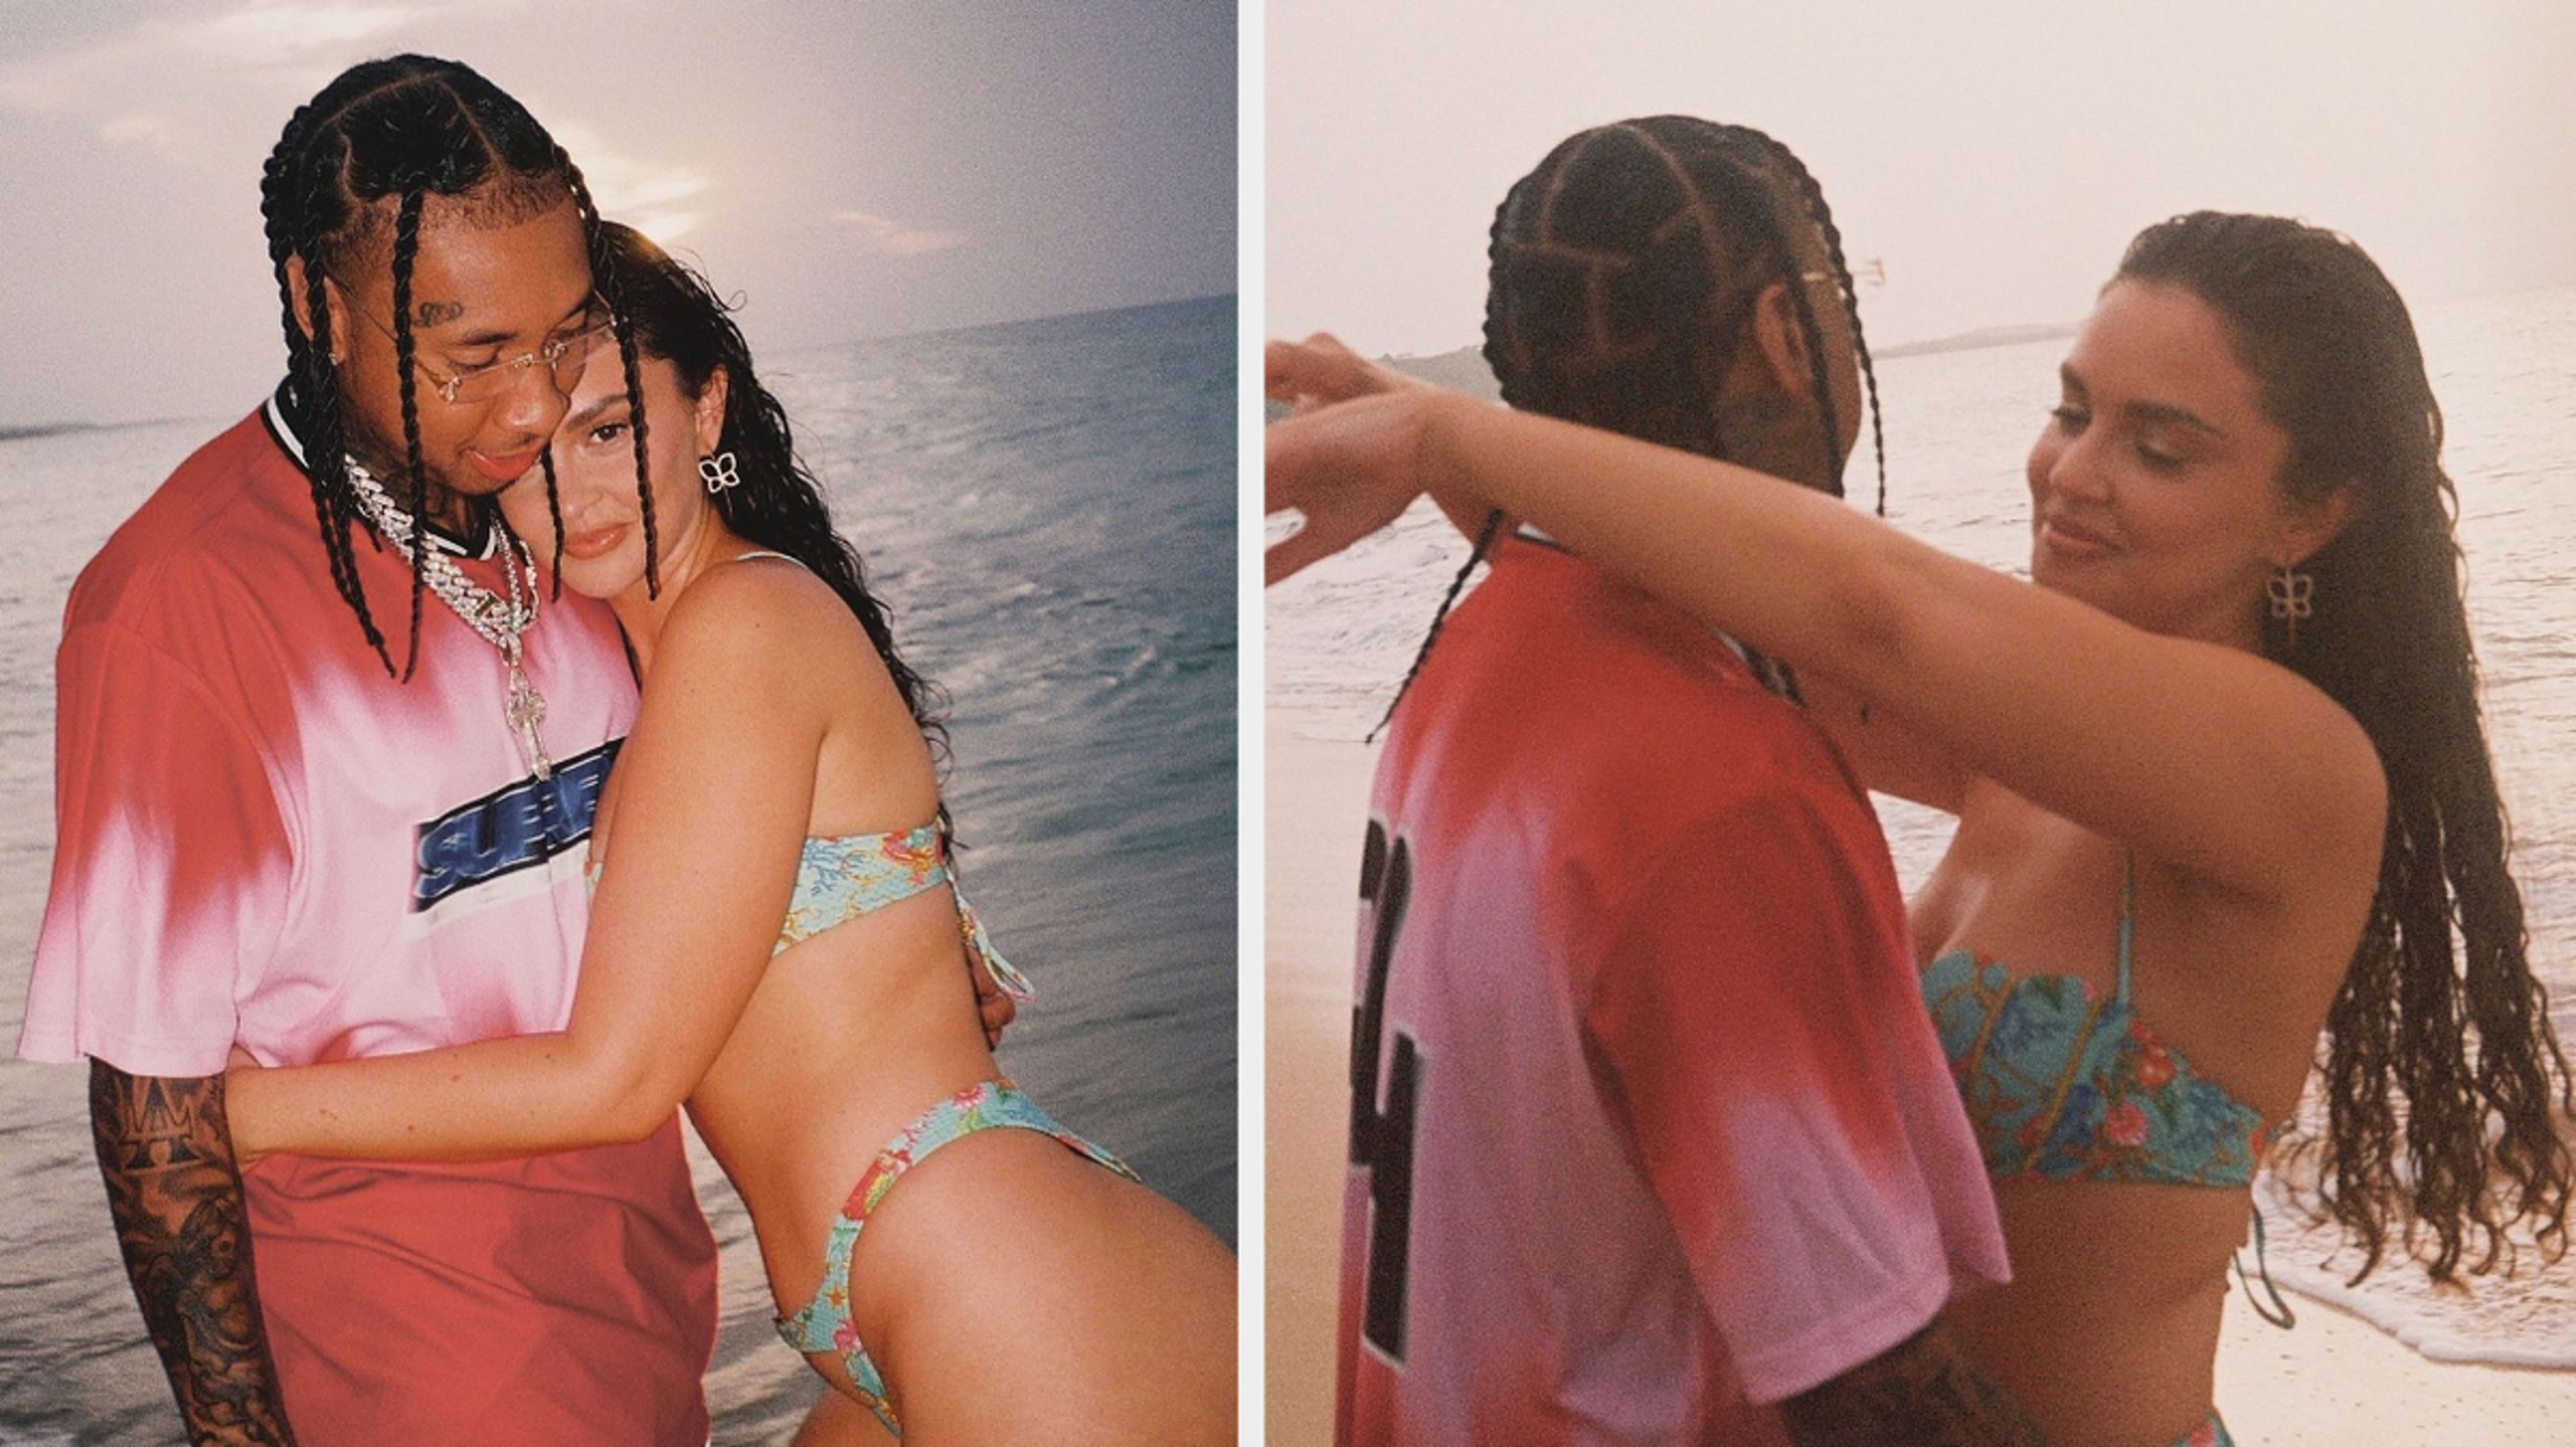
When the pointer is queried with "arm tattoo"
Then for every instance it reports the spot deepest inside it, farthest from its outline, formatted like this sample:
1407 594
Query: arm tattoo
1921 1392
176 1198
435 313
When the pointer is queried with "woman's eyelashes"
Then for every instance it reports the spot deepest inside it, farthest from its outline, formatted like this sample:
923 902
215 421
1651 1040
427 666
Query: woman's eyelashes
2071 419
2156 451
2158 459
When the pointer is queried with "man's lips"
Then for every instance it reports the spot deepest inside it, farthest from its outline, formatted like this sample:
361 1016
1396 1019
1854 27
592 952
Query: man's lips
501 469
595 542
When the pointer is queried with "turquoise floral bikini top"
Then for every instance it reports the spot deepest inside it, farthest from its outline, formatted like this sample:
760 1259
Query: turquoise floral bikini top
2067 1086
840 877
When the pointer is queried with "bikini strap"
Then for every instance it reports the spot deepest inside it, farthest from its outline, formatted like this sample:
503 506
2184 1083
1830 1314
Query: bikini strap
767 553
2278 1313
2128 918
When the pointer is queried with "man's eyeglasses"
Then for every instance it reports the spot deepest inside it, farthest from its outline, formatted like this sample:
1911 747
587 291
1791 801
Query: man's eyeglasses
564 358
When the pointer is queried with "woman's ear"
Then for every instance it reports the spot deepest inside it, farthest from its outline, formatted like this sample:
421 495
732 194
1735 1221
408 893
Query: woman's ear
710 410
2309 526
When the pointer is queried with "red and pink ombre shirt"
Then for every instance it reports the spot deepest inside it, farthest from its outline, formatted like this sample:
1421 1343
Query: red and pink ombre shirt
1648 1126
264 839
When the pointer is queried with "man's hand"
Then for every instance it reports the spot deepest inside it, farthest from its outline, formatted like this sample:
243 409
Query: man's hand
1922 1392
995 1007
175 1196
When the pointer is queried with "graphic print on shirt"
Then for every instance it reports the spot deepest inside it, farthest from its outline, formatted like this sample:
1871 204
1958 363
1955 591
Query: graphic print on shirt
1382 1138
519 826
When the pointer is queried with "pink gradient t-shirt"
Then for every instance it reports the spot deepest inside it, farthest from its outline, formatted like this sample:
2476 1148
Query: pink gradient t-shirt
1649 1128
262 838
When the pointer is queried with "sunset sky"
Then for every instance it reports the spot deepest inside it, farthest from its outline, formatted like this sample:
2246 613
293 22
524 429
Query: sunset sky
1993 155
849 170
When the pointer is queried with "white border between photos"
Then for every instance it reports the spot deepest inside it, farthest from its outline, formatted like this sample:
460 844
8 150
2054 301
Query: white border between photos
1251 1379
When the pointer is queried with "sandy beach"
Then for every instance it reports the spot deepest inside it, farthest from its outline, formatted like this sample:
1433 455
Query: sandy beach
2332 1381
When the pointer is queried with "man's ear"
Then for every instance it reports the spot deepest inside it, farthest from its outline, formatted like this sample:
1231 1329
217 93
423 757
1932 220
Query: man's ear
1779 343
296 284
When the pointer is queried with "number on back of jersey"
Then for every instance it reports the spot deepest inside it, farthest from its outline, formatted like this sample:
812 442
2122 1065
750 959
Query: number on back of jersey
1382 1134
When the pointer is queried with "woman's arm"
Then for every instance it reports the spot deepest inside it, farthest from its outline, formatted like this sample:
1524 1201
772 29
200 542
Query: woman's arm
1888 755
715 787
2207 758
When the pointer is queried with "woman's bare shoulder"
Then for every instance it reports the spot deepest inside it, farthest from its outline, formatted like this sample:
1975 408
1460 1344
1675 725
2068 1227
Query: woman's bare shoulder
765 629
753 592
767 614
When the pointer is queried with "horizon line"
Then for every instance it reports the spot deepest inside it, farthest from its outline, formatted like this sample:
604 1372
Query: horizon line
31 431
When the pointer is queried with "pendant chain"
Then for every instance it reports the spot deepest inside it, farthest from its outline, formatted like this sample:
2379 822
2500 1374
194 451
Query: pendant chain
500 620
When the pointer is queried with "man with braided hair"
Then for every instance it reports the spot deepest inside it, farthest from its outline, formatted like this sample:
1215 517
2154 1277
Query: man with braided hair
290 828
1651 1140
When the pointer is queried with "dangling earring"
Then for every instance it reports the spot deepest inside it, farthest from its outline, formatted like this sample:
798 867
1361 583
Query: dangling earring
2293 596
718 473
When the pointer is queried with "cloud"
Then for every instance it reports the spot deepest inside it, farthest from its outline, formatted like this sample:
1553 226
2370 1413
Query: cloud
144 56
186 88
271 32
882 234
646 195
160 133
212 89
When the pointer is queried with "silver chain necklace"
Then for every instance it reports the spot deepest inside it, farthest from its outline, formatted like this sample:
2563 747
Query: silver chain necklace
499 620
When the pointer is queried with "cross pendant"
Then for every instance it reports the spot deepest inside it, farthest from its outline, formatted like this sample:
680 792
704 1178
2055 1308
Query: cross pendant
527 709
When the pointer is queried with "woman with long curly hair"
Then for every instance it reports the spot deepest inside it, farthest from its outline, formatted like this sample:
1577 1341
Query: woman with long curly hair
2221 783
777 940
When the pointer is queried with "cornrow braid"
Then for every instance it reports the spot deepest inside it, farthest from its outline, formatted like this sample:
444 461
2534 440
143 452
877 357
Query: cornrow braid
406 250
1611 300
1822 216
361 157
1623 271
325 437
1422 655
291 207
612 290
1801 305
554 516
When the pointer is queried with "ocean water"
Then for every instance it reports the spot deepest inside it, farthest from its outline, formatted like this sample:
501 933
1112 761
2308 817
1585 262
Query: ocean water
1048 508
1959 425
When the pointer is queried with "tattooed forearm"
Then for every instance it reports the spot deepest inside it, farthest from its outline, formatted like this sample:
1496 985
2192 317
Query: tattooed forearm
434 313
1920 1393
176 1198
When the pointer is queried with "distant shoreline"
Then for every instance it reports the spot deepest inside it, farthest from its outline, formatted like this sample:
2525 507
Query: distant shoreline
1465 369
969 327
44 429
31 431
1982 338
23 432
